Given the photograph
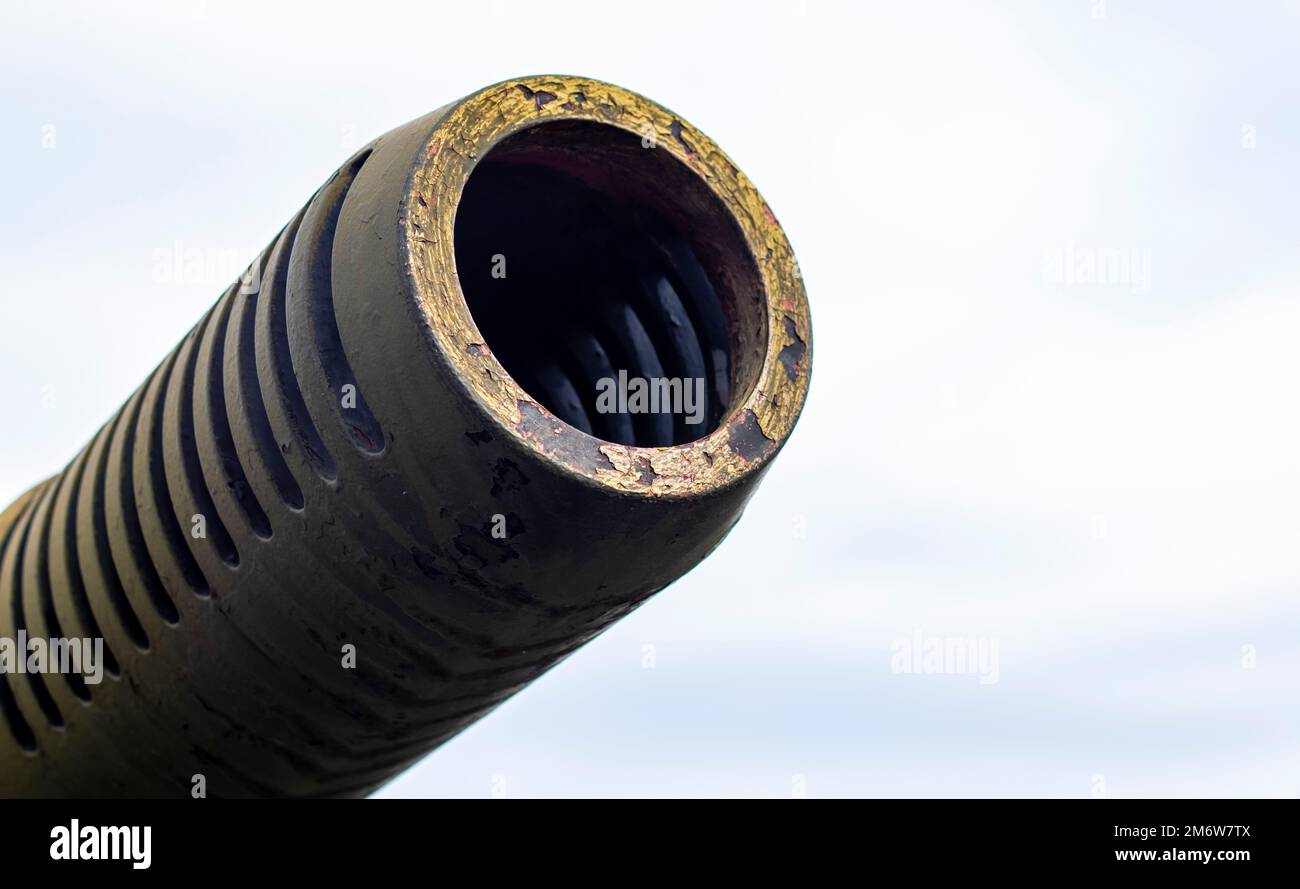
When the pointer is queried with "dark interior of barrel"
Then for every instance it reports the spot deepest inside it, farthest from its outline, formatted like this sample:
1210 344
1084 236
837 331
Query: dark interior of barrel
591 259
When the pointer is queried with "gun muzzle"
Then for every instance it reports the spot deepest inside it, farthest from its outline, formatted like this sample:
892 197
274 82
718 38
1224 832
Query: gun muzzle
517 366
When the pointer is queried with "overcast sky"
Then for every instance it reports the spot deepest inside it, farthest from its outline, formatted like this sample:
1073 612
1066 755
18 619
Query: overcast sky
1094 476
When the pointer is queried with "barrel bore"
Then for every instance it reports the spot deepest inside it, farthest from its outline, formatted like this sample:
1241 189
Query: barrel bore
515 367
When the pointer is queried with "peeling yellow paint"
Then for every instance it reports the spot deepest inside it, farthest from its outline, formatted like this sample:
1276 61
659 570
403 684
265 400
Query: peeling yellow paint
466 133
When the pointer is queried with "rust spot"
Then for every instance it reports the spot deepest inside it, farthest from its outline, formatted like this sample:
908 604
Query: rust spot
676 130
747 439
792 354
645 471
539 97
581 452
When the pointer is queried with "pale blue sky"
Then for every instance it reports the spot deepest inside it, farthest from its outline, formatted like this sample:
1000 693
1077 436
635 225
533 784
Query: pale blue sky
1103 478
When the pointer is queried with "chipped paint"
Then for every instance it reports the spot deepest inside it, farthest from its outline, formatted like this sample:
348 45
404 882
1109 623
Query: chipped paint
753 432
791 354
